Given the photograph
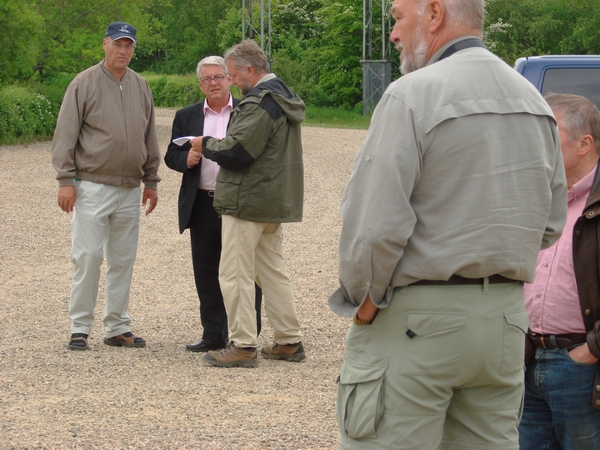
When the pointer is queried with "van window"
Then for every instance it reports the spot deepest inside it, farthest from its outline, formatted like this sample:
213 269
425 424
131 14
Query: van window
580 81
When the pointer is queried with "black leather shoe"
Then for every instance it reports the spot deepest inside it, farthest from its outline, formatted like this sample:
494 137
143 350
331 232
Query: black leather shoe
203 346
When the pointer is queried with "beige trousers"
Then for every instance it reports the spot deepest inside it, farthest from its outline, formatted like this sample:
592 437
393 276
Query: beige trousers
252 251
105 224
440 368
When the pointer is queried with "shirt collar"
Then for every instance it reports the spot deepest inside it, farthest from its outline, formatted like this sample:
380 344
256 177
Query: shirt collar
267 77
441 51
227 108
583 186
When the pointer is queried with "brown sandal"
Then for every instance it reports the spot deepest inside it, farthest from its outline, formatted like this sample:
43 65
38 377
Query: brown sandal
125 340
78 341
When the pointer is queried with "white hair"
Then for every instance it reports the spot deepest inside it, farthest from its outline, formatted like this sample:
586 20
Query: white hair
211 61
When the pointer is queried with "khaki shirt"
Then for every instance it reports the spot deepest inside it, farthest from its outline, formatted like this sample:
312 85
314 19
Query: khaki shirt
461 173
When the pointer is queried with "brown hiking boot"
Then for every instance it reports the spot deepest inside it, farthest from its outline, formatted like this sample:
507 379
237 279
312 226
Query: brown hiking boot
288 352
232 356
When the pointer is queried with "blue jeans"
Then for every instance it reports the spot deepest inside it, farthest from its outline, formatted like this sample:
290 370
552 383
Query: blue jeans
558 412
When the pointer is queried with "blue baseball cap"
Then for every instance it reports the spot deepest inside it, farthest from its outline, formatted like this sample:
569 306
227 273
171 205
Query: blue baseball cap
120 30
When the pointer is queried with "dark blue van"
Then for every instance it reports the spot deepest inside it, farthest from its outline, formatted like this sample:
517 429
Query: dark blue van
563 74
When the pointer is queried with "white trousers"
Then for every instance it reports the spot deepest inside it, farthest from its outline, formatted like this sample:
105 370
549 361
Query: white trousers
252 251
105 224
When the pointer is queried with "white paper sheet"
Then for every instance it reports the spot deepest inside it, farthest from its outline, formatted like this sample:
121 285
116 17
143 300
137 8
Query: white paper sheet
182 140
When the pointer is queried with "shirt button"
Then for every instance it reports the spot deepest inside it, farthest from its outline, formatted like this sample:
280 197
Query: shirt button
367 158
578 233
368 284
597 402
598 388
545 264
588 312
538 296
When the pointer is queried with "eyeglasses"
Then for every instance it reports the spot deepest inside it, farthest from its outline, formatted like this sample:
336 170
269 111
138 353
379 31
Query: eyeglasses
208 80
120 46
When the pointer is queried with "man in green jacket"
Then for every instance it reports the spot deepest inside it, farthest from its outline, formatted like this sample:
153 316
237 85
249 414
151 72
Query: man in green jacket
260 186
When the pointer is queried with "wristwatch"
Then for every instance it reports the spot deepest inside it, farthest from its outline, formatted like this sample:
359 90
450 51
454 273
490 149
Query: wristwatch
358 321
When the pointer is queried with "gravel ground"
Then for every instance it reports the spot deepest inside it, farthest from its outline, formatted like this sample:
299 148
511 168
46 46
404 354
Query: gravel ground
161 397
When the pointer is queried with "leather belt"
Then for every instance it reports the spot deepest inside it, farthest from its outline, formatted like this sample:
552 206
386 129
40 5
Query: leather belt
209 193
456 280
556 340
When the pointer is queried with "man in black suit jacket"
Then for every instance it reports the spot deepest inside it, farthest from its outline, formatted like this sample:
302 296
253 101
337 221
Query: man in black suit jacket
196 194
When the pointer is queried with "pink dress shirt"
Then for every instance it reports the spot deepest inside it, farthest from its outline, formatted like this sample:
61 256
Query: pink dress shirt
552 300
215 125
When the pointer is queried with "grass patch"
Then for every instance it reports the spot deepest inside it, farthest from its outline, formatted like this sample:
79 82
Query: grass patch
335 118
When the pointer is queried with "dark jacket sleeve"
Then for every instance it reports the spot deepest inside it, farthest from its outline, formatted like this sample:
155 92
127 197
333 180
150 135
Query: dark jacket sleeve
176 156
593 340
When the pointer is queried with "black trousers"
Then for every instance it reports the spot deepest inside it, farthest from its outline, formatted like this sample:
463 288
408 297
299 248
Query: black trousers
205 233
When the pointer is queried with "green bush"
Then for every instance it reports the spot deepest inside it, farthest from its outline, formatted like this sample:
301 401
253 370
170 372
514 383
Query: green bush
29 112
172 91
24 115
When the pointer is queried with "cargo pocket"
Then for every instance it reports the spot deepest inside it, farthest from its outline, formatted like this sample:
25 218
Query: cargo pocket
228 191
360 398
515 328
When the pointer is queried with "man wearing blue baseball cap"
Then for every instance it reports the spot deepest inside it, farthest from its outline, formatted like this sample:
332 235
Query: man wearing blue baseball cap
119 30
104 147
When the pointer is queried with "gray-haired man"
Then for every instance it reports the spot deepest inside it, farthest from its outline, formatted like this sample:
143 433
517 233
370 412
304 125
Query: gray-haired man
259 186
458 184
196 195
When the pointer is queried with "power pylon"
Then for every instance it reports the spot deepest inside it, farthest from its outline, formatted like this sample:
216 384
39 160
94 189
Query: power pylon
377 67
248 29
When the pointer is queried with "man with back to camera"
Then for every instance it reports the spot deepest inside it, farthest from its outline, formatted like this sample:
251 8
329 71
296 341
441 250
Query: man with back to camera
196 194
562 379
260 186
104 147
459 183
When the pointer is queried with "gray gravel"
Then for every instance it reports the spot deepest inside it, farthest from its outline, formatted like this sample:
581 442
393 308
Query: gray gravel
161 397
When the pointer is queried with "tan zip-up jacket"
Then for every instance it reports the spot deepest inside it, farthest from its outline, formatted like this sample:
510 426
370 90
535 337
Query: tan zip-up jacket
106 132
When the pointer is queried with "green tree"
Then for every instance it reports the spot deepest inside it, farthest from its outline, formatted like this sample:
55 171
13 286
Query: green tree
19 40
296 39
73 31
229 28
338 57
516 28
188 33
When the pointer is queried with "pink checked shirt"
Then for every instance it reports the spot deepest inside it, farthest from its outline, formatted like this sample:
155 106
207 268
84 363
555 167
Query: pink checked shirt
215 125
552 300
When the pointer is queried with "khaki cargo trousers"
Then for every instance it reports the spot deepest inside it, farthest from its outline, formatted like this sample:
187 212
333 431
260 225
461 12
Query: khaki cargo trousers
440 368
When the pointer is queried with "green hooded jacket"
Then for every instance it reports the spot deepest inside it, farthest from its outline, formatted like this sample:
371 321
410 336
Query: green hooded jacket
261 177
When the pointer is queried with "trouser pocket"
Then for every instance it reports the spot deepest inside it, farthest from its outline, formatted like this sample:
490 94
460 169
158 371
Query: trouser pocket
360 398
515 333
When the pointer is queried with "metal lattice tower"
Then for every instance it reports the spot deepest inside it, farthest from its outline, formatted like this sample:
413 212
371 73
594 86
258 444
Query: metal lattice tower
248 29
377 67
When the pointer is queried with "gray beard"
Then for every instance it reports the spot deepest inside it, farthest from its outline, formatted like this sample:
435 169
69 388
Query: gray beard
408 64
246 88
